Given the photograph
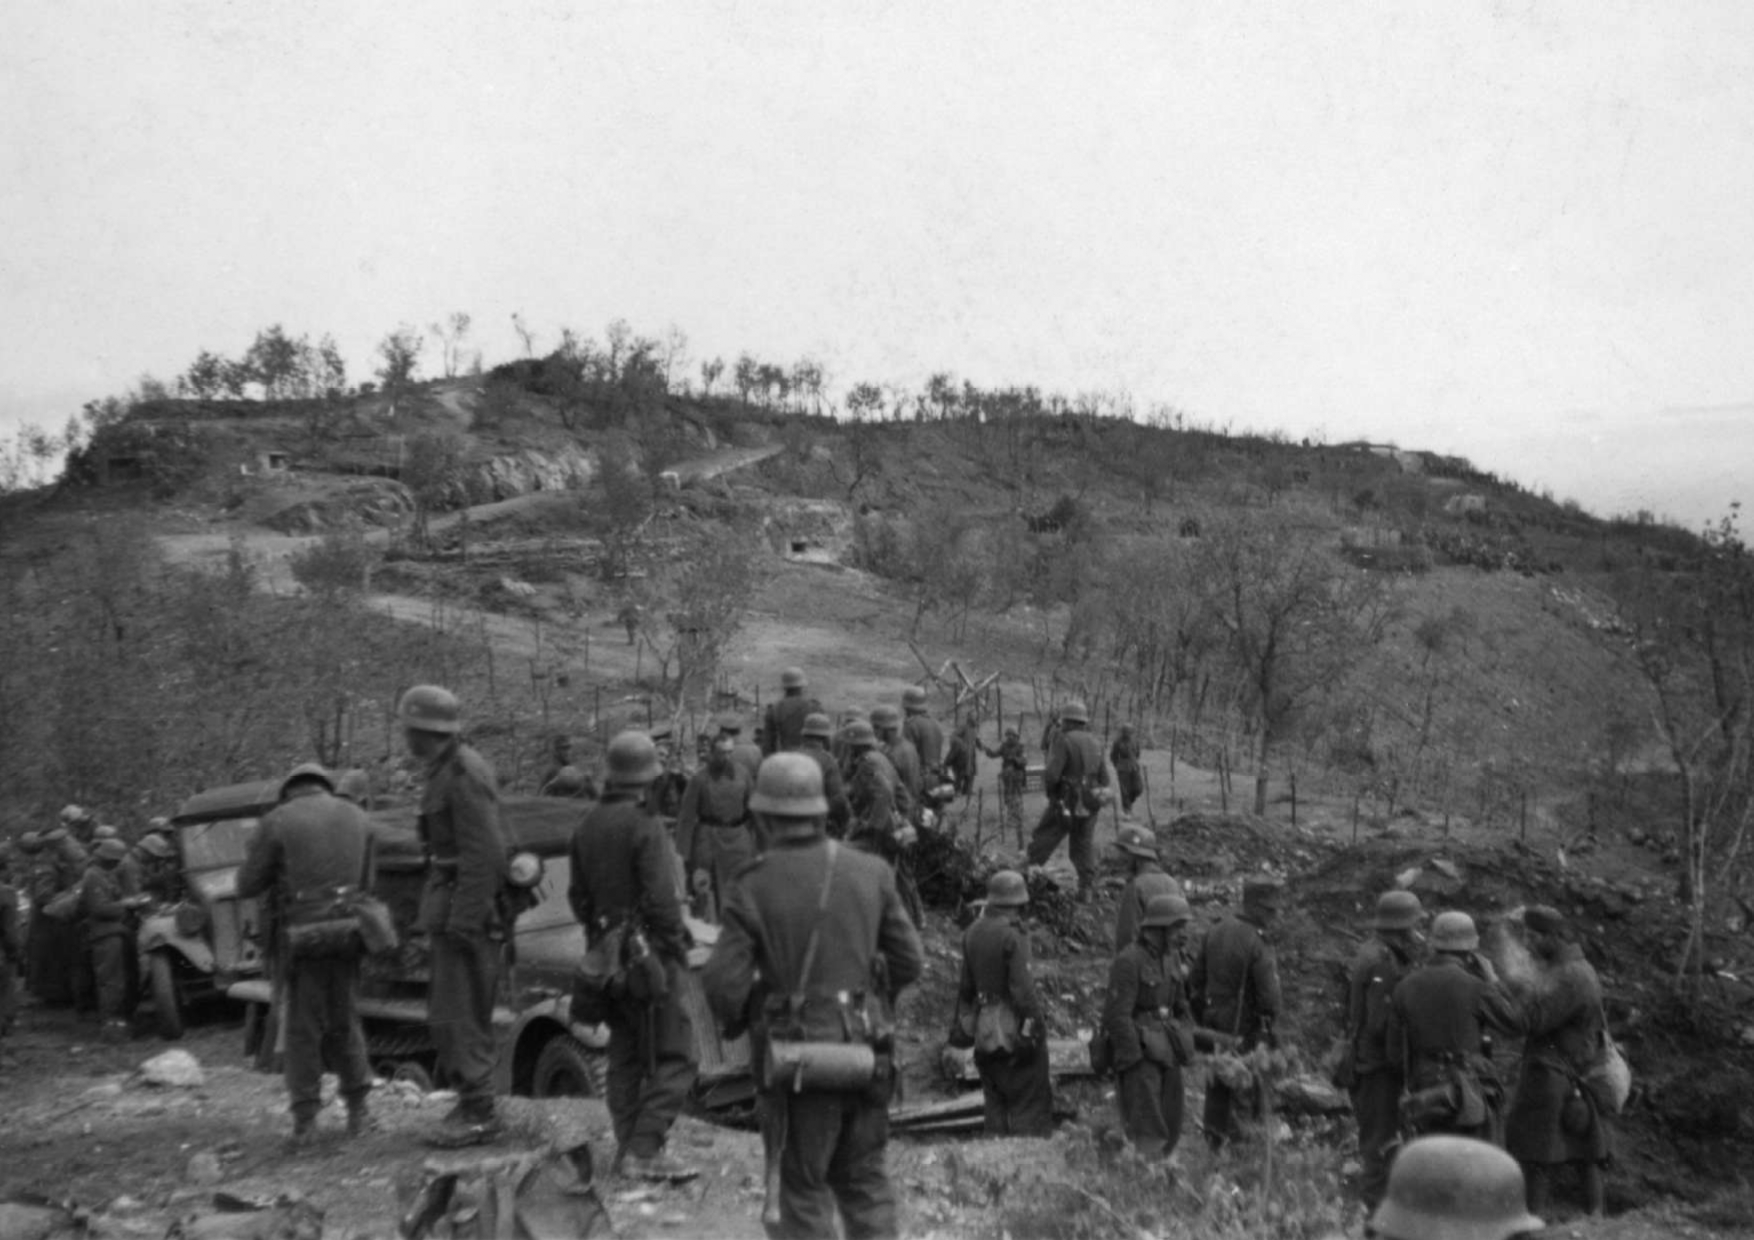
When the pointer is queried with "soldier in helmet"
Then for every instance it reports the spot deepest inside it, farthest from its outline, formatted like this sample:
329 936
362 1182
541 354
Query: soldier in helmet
1550 1124
672 781
564 777
622 878
308 853
1013 775
67 962
158 869
783 723
962 755
817 734
1138 845
461 908
1124 756
1234 988
1454 1188
1369 1068
715 836
356 786
910 774
878 825
815 948
1075 781
1441 1018
923 732
1150 1027
108 911
995 975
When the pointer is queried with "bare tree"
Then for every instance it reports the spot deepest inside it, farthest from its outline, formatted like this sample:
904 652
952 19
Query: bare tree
525 334
451 333
709 374
400 361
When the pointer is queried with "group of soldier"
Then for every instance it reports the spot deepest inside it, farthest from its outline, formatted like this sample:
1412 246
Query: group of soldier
86 887
796 846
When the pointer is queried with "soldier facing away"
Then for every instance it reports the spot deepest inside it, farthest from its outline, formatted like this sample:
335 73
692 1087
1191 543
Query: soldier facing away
815 949
1440 1019
1148 879
1124 756
307 852
1370 1070
1150 1026
1234 987
461 910
622 878
1013 774
783 724
818 732
1015 1082
923 732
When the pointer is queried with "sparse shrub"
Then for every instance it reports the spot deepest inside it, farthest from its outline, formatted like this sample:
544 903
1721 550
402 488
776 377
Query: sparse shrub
340 560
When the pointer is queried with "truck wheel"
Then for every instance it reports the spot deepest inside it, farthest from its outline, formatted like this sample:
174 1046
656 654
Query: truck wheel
567 1068
166 1012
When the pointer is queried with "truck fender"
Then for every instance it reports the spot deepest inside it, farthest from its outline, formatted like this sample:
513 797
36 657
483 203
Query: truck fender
159 933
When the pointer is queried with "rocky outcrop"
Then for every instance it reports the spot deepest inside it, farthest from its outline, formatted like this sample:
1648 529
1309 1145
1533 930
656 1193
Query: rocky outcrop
519 473
375 501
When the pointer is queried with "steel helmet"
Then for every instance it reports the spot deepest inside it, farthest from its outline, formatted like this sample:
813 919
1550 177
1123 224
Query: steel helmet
1166 911
30 842
1454 931
1137 840
104 831
1006 889
913 698
793 678
859 734
632 759
356 786
1453 1188
730 725
567 781
307 770
885 717
155 845
818 725
1397 910
1075 712
157 824
74 813
789 785
428 708
109 850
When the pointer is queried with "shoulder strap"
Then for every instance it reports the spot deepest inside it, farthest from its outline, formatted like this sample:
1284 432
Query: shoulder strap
816 930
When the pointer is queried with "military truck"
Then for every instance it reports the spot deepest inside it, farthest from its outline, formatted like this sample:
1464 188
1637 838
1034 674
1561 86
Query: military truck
543 1052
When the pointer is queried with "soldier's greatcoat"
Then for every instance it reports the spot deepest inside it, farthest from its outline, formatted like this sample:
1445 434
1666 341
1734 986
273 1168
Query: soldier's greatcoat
995 968
1148 1021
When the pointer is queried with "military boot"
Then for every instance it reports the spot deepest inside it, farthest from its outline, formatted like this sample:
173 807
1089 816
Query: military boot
660 1167
304 1131
473 1121
359 1117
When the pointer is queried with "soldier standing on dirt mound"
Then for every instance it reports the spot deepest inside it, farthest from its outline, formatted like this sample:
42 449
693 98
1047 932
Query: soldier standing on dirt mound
1073 779
1454 1188
995 974
783 725
1552 1123
621 876
1139 845
1150 1027
1370 1065
714 834
460 909
306 852
1438 1020
1234 985
815 949
924 733
818 732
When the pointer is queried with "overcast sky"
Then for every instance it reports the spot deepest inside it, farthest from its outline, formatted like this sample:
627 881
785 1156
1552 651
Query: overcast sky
1517 230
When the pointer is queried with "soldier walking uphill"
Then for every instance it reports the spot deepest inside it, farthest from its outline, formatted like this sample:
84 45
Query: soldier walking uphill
462 908
1370 1067
998 994
308 854
622 884
1440 1020
1147 880
1073 779
714 834
1150 1027
1234 988
1013 774
783 722
108 909
1553 1122
910 776
814 950
924 733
